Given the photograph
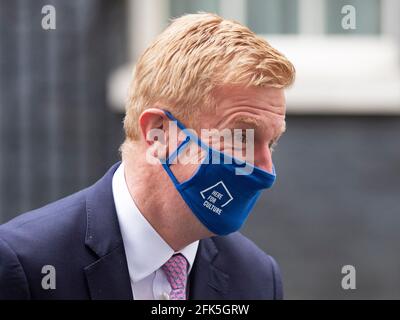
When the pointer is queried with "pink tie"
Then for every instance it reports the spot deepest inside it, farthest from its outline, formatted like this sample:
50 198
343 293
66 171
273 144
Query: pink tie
176 271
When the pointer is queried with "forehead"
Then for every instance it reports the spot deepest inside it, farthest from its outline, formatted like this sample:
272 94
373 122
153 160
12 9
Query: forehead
266 96
262 108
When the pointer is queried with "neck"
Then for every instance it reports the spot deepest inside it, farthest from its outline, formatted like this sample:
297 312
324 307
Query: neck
170 219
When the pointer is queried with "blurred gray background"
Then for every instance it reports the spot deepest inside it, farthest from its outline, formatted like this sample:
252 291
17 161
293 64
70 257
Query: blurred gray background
337 198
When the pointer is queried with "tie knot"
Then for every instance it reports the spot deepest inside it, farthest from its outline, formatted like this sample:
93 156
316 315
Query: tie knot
176 271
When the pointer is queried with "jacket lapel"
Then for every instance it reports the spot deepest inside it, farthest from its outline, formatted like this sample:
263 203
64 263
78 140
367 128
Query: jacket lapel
108 276
207 281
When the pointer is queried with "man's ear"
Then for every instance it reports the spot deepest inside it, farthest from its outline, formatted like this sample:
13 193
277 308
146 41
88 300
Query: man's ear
154 132
152 124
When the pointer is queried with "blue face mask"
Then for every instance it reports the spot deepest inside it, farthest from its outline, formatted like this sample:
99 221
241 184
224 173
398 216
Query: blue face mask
217 195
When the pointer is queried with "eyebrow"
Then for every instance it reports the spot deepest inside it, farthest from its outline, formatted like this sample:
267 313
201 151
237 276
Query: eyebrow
256 124
252 122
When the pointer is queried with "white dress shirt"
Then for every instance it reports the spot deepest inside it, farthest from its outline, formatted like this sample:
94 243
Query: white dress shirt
145 250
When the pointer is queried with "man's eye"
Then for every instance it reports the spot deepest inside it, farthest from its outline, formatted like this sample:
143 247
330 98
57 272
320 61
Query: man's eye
241 137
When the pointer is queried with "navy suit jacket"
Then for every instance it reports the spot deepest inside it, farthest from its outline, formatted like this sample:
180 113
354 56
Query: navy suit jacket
80 237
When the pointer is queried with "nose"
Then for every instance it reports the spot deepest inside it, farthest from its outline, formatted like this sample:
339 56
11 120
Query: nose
263 157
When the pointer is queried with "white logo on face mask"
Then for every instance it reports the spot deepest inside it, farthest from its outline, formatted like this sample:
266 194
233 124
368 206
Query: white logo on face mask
216 197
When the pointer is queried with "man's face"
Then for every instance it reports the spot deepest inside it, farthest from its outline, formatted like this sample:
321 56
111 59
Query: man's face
260 109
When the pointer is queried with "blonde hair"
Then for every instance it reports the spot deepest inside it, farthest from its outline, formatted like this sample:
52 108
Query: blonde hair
196 54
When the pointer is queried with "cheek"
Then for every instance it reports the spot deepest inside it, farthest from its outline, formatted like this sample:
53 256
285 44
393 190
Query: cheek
184 172
188 163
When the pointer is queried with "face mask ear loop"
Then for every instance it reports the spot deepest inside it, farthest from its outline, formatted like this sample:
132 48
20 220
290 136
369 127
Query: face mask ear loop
167 163
180 148
189 136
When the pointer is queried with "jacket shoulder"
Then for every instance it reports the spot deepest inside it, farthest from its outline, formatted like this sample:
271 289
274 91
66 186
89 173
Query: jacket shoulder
52 235
41 235
46 221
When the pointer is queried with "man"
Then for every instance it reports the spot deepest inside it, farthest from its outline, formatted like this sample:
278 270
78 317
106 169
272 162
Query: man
166 229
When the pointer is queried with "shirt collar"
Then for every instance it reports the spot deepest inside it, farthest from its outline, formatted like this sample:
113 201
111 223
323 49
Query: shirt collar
145 250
